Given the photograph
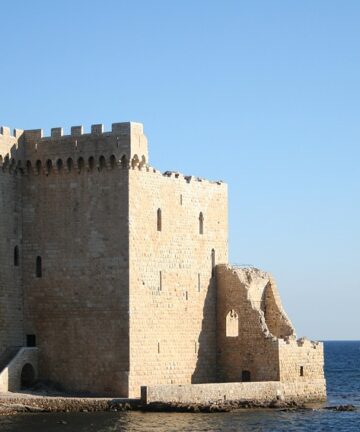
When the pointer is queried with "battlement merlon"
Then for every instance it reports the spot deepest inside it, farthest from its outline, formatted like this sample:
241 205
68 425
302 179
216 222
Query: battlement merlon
125 139
9 142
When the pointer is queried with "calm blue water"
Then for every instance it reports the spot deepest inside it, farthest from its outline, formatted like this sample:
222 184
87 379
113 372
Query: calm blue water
342 368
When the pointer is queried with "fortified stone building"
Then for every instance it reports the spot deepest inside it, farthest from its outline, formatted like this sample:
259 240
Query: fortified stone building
115 276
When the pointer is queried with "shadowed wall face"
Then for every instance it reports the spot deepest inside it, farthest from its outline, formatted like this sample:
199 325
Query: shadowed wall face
11 307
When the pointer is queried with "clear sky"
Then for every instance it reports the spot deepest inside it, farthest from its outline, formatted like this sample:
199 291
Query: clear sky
264 95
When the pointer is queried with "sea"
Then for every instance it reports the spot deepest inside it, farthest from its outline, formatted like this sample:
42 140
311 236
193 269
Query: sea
342 369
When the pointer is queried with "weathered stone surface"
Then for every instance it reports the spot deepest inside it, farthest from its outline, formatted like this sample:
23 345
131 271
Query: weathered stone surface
119 273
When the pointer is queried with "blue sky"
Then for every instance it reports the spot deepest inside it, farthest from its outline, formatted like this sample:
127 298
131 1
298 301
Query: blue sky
262 94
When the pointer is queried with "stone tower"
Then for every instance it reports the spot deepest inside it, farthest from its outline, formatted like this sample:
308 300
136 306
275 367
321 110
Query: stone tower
115 276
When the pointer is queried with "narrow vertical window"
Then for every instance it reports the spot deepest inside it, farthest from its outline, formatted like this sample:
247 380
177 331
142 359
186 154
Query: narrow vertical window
201 223
16 256
301 371
213 262
158 346
59 165
38 167
123 162
159 219
38 267
28 167
232 324
91 163
181 199
102 163
112 161
81 164
199 282
160 281
48 166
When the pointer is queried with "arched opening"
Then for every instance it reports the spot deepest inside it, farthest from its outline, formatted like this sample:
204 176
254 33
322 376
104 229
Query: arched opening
69 164
245 376
123 161
19 167
6 162
142 161
213 263
102 163
12 165
38 267
38 167
232 324
91 163
16 256
27 376
135 161
48 166
112 161
159 221
201 223
59 165
81 165
28 167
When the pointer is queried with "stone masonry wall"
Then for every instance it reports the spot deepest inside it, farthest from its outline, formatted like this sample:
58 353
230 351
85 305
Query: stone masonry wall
253 392
251 348
172 288
301 360
75 217
11 299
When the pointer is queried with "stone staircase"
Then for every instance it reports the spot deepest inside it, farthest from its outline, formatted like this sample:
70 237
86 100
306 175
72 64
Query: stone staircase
15 364
7 355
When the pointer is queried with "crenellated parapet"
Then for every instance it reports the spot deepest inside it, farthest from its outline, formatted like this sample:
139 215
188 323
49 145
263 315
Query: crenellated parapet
30 151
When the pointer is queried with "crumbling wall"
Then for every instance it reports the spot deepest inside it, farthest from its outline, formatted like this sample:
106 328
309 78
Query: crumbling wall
253 353
276 319
265 346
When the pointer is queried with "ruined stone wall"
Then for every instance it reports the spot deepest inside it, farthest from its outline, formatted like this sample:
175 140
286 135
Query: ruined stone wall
75 217
252 348
172 288
261 340
11 300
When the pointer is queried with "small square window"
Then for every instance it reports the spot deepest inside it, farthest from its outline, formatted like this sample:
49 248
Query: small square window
30 340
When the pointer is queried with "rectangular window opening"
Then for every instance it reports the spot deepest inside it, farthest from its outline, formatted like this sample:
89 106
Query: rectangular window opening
30 340
301 371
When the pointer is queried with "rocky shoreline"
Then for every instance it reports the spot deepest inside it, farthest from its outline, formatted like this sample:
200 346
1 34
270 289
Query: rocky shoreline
46 404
